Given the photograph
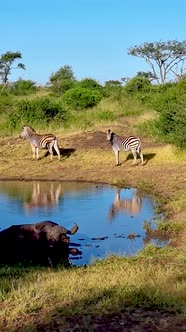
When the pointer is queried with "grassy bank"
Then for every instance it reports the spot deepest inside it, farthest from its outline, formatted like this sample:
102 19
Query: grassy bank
147 291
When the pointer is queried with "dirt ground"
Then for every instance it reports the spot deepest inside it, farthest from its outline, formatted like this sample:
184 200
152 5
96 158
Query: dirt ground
134 320
163 180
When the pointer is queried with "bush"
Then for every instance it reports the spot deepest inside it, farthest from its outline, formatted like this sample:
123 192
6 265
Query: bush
89 83
81 98
172 122
22 87
6 102
58 88
37 110
138 84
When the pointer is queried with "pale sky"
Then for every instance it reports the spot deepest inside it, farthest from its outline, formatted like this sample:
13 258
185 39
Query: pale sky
93 36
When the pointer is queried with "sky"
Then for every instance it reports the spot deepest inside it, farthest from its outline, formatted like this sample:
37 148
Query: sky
91 36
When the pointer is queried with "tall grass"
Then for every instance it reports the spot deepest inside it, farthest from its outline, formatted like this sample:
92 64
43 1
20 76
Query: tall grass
103 287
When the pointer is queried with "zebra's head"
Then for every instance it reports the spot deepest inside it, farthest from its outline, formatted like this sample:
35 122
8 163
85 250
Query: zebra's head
26 131
109 135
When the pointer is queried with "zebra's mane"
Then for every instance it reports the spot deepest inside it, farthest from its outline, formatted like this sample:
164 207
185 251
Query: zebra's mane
30 128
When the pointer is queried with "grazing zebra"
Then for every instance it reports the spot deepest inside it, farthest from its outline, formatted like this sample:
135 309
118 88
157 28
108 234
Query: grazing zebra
46 141
124 144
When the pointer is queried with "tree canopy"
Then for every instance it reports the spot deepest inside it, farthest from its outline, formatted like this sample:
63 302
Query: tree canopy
164 58
7 61
62 80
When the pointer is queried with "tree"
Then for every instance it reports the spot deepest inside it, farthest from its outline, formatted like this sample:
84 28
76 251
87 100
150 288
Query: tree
147 75
6 64
62 80
89 83
113 83
163 57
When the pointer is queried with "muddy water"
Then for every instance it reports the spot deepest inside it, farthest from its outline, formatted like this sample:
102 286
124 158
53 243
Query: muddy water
110 220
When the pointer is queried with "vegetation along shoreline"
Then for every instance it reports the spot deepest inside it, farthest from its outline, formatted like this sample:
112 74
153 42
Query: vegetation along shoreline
145 292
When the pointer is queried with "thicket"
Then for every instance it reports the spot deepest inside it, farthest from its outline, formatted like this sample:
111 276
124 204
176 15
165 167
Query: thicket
22 87
171 106
6 103
168 100
81 98
138 84
91 84
34 111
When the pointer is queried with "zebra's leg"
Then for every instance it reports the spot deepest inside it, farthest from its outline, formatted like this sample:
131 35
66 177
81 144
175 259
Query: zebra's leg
57 149
37 152
135 156
141 156
33 151
50 151
117 157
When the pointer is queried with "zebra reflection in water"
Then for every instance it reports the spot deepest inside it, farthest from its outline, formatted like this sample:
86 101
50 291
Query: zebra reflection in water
43 198
131 206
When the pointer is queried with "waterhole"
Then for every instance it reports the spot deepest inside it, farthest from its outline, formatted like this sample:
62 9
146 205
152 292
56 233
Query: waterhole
110 220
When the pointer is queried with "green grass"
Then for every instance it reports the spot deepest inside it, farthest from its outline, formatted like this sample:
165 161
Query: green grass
154 278
103 287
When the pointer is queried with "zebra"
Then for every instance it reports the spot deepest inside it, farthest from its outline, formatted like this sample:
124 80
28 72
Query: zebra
125 144
46 141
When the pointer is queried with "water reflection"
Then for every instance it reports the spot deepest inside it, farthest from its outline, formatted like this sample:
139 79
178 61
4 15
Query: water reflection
131 205
110 221
41 197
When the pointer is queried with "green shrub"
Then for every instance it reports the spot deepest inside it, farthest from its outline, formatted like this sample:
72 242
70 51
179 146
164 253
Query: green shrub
22 87
37 110
89 83
81 98
171 104
6 103
137 84
172 123
62 80
58 88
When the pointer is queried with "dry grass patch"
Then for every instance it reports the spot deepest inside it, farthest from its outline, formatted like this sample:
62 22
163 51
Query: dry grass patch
97 289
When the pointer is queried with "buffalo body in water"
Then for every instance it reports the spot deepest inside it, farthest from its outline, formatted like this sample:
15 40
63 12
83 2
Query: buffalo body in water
43 243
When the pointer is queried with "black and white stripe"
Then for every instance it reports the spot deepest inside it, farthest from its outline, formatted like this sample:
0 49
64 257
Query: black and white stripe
46 141
125 144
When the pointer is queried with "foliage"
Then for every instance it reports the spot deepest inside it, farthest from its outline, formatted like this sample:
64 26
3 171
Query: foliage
62 80
172 119
6 103
89 83
137 84
172 123
163 57
22 87
6 64
36 110
113 83
81 98
147 75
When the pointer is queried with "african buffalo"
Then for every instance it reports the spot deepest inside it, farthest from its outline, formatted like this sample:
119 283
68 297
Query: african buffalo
43 243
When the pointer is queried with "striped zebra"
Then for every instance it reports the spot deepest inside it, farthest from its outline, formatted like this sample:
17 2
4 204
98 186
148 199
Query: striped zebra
125 144
46 141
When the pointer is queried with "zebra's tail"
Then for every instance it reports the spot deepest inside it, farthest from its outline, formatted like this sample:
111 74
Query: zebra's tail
139 147
55 141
